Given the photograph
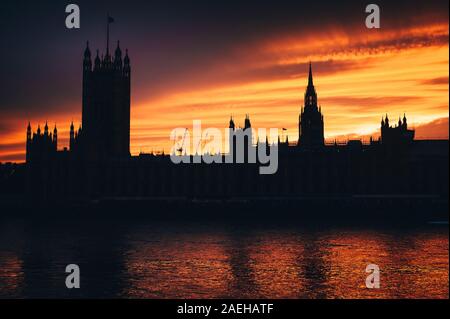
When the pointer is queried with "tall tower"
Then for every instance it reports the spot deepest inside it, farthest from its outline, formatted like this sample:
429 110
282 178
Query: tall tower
55 138
106 106
28 145
310 126
72 137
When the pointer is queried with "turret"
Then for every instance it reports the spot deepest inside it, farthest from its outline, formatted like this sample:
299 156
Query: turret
87 63
28 144
72 137
29 132
55 138
247 123
126 64
118 57
46 129
231 126
97 62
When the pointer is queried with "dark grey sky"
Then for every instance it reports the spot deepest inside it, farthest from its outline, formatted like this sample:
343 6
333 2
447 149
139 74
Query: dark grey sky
168 40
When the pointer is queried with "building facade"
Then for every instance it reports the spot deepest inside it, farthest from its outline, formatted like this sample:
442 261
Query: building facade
98 163
40 146
396 135
105 106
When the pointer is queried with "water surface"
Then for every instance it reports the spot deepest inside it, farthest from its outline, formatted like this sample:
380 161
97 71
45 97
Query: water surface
142 259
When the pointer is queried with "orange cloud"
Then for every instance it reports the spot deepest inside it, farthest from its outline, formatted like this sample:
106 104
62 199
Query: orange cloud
359 77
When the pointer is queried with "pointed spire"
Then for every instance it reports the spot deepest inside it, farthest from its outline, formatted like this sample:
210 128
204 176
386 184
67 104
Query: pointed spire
97 60
118 56
310 94
118 50
55 136
247 123
231 122
126 60
126 65
310 77
71 136
386 121
28 131
87 52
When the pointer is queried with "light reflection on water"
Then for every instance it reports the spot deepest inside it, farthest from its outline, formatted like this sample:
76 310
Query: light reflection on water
147 260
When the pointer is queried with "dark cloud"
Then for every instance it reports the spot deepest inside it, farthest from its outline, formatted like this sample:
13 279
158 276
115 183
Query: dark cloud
13 157
436 81
12 146
437 129
297 70
6 125
167 40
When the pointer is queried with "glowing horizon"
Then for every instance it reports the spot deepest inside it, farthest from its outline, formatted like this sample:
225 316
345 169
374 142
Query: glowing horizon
359 77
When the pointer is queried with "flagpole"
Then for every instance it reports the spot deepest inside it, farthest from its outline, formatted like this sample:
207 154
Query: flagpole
107 34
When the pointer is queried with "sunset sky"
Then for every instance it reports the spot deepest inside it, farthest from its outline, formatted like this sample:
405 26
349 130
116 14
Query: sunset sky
205 60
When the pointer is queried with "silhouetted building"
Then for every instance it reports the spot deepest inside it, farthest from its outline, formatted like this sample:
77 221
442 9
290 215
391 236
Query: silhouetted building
105 129
74 139
99 164
240 140
106 106
396 135
41 146
310 125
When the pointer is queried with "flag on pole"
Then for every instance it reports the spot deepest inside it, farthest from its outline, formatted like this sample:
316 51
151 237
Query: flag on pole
109 20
